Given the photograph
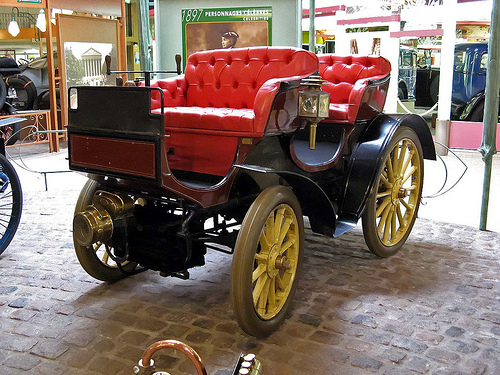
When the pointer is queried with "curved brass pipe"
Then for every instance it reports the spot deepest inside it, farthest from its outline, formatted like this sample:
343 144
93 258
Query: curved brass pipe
174 344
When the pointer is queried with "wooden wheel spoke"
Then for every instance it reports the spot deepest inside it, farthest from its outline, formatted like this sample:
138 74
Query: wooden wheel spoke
261 257
400 216
385 181
407 161
383 194
263 297
409 174
278 221
105 257
270 228
382 206
284 230
279 282
264 243
287 245
383 219
395 160
408 206
272 295
387 225
261 268
258 288
390 172
402 157
393 224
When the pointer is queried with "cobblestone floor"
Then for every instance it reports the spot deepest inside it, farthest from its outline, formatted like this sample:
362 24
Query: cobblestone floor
431 309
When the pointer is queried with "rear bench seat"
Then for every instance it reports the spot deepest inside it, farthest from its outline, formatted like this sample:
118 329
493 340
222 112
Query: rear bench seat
224 95
357 86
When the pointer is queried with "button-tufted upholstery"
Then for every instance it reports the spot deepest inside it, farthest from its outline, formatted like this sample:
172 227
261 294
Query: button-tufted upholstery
352 84
224 94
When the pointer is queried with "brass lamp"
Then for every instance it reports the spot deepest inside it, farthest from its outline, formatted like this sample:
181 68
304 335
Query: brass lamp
314 104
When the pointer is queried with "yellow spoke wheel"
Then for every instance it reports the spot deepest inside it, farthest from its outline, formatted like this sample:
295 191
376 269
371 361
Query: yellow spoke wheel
267 261
393 203
95 258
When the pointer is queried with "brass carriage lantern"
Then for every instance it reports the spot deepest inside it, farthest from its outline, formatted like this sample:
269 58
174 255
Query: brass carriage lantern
314 104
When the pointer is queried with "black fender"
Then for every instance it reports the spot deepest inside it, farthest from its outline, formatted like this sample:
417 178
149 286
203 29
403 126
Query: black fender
366 158
470 107
311 196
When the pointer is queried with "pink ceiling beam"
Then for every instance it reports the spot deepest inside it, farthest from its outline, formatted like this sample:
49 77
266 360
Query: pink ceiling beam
325 11
354 21
416 33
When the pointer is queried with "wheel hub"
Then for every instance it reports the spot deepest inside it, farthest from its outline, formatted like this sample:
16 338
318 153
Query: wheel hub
398 192
276 262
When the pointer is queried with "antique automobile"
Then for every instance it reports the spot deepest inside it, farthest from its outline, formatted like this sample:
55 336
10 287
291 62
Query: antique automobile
229 157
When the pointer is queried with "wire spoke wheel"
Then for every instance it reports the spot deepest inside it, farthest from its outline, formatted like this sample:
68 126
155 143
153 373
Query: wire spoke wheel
267 261
11 202
98 259
393 204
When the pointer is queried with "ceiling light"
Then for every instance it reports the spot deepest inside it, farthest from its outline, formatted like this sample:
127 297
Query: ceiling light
40 21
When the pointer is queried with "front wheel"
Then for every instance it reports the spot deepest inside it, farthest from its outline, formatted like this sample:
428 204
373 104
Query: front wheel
97 259
393 203
11 202
267 261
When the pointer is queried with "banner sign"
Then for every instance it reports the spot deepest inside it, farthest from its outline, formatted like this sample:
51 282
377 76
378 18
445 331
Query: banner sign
212 28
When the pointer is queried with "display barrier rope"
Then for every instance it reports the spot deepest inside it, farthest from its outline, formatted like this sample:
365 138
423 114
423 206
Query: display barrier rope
21 164
441 190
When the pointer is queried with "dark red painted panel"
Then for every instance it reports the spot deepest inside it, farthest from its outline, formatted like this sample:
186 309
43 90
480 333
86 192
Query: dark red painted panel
114 155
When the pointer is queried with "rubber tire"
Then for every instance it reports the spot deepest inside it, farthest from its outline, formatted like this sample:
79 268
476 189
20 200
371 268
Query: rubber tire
86 255
401 94
243 261
42 101
17 203
22 83
369 226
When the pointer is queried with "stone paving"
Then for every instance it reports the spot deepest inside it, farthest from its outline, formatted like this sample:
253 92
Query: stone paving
434 308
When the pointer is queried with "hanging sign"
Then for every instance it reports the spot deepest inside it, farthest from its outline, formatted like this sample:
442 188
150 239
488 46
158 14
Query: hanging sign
212 28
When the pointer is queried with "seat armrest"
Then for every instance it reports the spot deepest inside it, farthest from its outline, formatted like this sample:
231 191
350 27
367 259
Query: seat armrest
367 98
174 92
264 99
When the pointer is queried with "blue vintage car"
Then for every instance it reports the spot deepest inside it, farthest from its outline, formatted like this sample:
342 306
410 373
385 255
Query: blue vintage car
469 81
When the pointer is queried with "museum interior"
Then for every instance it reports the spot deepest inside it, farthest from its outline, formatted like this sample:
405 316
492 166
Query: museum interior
215 187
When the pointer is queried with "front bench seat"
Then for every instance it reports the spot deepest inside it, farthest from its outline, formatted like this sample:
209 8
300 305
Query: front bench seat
357 86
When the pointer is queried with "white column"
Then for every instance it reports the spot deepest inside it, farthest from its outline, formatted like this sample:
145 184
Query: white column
446 73
392 54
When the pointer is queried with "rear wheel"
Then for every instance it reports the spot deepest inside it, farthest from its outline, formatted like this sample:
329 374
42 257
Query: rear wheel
11 202
21 91
392 206
97 259
267 261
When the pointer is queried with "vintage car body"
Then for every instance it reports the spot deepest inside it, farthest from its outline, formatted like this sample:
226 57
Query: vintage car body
224 158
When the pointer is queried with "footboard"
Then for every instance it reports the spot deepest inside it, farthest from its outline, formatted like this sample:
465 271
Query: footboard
112 131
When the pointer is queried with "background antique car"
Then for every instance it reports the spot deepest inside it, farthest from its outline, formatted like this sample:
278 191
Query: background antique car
230 156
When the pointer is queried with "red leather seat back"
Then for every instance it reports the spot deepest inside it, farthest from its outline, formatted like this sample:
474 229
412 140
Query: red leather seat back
231 77
342 72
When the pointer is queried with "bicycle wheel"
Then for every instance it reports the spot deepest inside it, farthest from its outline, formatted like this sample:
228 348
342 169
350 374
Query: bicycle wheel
11 202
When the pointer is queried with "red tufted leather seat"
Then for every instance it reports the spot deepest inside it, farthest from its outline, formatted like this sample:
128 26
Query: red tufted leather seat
224 94
357 86
226 83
